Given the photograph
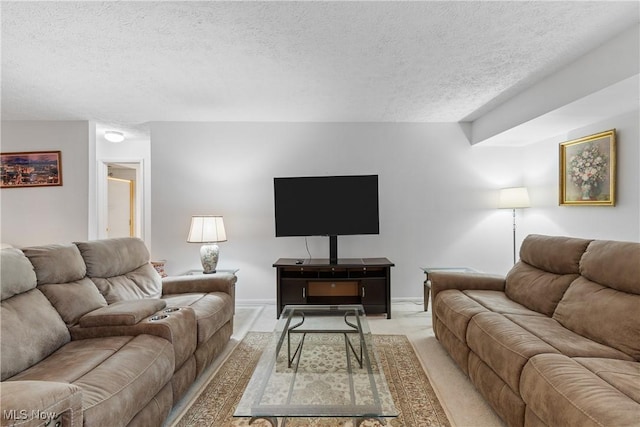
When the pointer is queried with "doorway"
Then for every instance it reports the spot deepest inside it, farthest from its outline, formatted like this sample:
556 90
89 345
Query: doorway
121 211
121 192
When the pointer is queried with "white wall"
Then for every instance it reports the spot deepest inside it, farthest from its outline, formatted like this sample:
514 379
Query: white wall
36 216
621 222
437 195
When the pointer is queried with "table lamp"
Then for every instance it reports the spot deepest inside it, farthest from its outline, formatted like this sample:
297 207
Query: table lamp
514 198
207 229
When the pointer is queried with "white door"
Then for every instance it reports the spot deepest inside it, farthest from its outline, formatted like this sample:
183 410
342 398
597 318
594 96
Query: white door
120 213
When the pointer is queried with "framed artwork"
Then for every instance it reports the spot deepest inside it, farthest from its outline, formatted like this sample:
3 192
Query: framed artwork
588 170
30 169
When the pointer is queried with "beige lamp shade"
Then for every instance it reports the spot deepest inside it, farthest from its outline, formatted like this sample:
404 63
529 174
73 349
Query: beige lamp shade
206 229
514 198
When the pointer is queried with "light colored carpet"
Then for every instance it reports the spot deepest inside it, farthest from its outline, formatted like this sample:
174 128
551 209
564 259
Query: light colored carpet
413 395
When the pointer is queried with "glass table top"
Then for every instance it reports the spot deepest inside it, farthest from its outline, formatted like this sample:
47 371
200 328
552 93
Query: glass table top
320 362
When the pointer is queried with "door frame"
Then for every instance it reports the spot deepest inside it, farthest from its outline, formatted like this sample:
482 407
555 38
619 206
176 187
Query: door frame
139 196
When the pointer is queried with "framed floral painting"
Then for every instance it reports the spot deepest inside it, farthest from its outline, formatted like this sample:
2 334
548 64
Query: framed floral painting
587 170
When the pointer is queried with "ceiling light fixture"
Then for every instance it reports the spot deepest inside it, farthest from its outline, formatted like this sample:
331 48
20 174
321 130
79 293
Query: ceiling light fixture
114 136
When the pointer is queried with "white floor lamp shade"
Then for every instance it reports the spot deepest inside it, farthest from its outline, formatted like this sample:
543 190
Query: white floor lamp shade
209 230
514 198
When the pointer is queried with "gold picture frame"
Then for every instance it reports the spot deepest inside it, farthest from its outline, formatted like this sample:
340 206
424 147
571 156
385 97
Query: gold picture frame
588 170
31 169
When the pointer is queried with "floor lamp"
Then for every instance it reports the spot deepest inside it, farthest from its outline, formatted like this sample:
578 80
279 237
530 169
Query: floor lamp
514 198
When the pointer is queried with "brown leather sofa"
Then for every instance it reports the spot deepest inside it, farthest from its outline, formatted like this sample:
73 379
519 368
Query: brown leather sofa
556 342
92 335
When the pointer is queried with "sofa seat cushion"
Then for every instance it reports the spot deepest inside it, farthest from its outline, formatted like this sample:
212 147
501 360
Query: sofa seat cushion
455 310
212 310
458 350
118 375
504 346
567 342
498 302
504 401
561 391
621 374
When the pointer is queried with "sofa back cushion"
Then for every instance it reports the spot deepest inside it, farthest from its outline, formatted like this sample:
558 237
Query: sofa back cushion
536 289
120 268
613 264
547 266
555 254
61 274
31 330
602 314
603 304
56 263
74 299
17 273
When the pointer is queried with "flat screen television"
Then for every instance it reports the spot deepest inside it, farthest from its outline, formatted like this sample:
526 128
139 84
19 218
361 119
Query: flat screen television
326 206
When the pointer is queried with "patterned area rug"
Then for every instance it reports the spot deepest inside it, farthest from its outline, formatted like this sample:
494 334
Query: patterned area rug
412 393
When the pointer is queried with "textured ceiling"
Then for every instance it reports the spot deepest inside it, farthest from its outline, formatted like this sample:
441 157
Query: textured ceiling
134 62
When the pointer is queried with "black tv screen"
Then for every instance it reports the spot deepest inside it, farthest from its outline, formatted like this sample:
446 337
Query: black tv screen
326 205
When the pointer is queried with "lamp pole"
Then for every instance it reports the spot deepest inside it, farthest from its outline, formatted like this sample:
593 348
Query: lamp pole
514 236
514 198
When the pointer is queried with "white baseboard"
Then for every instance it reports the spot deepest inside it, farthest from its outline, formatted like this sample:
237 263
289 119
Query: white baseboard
267 301
407 299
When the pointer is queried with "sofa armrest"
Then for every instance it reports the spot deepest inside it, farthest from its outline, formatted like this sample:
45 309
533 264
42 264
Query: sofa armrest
205 283
443 280
175 324
37 403
122 313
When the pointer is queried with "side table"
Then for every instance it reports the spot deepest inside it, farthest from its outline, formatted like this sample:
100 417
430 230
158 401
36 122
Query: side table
427 282
219 270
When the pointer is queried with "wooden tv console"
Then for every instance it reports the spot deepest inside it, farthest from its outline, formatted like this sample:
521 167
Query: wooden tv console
365 281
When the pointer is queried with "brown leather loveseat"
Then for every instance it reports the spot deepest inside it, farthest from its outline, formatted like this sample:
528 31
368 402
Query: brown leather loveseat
91 335
556 342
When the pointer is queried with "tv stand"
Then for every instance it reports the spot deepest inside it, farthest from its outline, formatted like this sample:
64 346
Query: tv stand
333 249
365 281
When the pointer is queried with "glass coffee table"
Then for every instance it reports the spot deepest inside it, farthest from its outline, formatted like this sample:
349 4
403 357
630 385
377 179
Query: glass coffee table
320 362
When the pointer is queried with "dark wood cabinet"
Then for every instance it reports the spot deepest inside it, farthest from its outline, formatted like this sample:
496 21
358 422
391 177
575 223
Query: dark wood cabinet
293 291
365 281
373 293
